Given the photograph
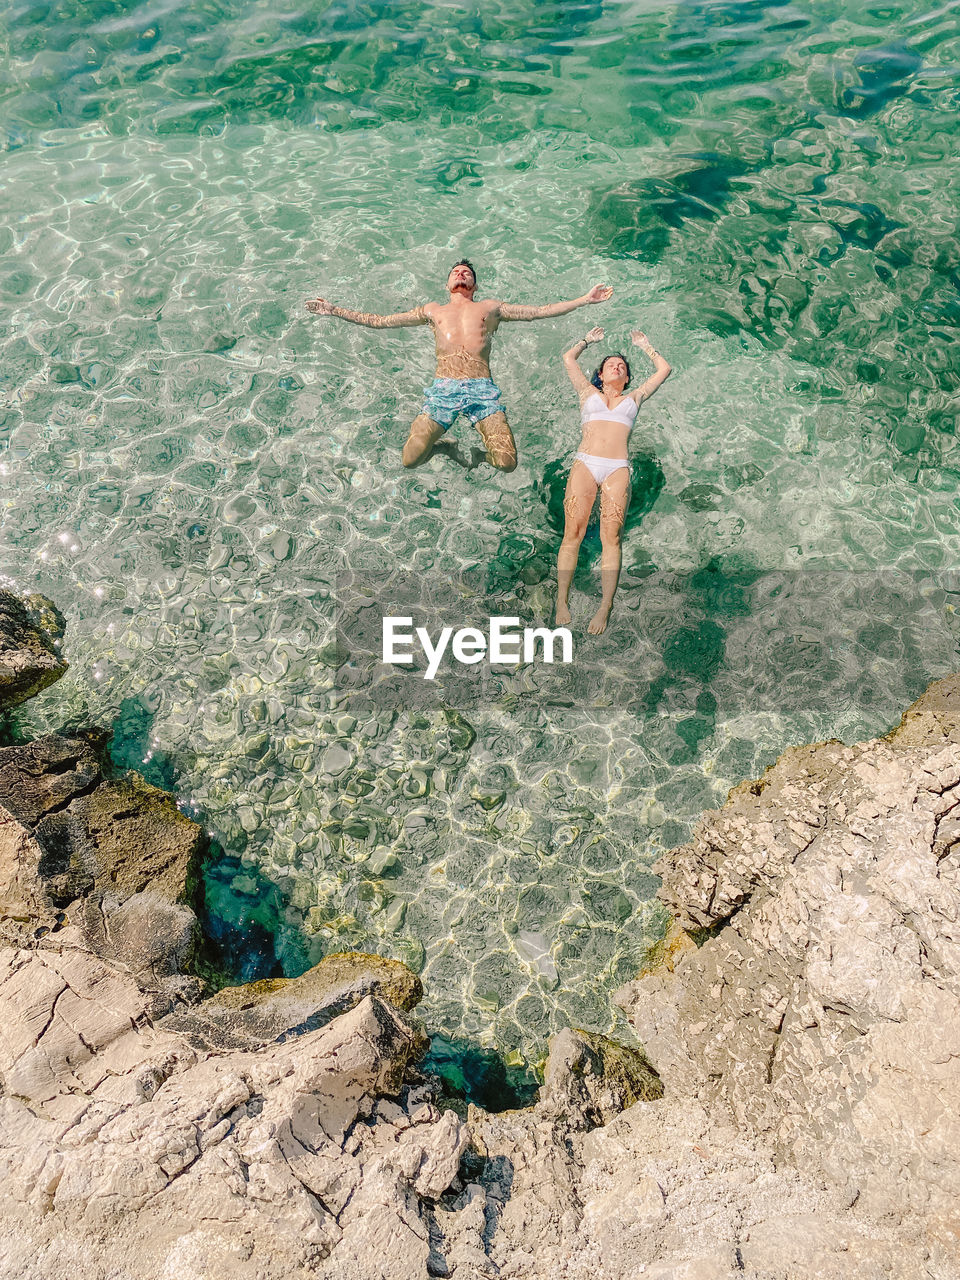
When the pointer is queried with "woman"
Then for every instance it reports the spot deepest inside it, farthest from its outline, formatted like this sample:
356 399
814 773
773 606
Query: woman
607 412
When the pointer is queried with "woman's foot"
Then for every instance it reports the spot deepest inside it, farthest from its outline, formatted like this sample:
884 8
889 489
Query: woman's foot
563 614
598 623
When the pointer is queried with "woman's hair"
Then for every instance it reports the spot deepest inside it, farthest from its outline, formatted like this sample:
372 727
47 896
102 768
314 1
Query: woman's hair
596 379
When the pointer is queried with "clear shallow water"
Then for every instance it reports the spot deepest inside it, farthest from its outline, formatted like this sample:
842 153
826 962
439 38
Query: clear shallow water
190 463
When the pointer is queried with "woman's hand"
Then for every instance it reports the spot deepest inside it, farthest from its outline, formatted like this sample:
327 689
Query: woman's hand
320 307
595 335
640 339
599 293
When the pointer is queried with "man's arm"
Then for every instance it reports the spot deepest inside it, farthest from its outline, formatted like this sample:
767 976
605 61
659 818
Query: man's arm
399 319
515 311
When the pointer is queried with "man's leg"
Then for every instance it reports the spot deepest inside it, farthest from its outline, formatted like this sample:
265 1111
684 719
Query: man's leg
613 510
496 435
577 505
424 434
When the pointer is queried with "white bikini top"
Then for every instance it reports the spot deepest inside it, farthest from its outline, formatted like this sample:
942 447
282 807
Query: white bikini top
595 408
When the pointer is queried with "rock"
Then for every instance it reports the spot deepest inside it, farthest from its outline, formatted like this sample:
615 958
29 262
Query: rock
128 837
120 836
258 1013
825 1012
115 858
57 1011
932 719
46 615
590 1079
157 939
46 775
160 1143
438 1148
25 906
29 656
535 949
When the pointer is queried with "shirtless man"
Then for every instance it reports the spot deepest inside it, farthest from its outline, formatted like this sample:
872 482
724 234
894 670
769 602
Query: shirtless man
463 329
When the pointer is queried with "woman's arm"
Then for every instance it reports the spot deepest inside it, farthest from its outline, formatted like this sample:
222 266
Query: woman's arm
399 319
661 370
570 358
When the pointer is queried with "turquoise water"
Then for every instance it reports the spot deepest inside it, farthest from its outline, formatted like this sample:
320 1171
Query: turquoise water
190 463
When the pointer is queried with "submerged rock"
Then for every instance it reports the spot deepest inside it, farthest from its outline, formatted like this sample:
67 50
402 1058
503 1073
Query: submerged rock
261 1012
29 655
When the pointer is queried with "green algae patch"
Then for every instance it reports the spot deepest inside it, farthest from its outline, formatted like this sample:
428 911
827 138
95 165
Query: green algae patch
626 1071
667 950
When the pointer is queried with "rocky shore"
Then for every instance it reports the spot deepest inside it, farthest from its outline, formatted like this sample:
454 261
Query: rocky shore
793 1113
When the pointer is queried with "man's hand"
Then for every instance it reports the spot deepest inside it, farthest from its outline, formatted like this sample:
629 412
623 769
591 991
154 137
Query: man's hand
595 335
599 293
320 307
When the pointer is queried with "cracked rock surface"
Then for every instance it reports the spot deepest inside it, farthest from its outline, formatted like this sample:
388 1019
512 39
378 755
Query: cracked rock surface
824 1015
30 632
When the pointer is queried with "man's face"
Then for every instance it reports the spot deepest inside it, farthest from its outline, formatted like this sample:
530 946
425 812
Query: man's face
461 280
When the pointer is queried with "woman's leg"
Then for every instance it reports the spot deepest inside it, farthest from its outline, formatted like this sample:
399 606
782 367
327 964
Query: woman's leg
613 510
577 505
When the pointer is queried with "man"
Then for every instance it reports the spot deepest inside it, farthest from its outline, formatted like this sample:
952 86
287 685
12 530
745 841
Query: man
463 329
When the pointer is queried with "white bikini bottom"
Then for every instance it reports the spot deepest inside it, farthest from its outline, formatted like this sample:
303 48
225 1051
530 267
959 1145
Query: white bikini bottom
601 468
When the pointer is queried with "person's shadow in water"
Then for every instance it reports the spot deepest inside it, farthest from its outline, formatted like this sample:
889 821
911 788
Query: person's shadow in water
467 456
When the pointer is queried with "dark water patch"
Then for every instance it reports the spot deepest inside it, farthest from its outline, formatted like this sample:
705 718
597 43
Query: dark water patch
884 75
635 218
132 746
480 1076
240 921
865 225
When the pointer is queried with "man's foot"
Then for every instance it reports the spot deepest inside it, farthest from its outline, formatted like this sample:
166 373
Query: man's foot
563 614
598 623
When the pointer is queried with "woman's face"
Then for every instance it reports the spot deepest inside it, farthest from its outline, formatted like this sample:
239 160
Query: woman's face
613 371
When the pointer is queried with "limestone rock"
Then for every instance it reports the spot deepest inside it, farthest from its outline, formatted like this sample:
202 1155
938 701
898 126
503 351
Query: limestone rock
114 857
161 1153
26 908
590 1079
260 1012
126 836
825 1012
29 656
41 777
58 1009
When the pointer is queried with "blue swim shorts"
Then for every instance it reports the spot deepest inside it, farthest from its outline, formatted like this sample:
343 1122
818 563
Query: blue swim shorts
478 398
